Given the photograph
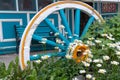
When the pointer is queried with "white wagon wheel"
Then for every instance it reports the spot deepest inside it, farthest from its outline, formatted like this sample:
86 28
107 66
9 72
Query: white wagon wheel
66 42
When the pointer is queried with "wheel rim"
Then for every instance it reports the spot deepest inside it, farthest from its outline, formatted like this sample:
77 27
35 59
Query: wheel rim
24 50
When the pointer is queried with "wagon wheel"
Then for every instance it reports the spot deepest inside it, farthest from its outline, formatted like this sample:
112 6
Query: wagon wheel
71 39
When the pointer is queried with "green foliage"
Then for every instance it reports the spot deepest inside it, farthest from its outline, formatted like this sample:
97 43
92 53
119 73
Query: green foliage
62 69
111 26
66 69
14 72
108 46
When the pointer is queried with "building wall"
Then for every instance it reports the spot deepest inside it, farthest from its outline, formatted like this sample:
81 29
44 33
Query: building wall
20 14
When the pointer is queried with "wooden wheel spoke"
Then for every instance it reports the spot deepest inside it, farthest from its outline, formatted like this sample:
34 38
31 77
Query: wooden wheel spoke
56 31
77 24
91 19
65 23
45 41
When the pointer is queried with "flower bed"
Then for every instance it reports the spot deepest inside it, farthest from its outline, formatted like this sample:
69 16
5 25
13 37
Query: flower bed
102 63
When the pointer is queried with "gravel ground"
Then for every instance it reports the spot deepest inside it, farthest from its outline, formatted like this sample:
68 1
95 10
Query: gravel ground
7 58
10 57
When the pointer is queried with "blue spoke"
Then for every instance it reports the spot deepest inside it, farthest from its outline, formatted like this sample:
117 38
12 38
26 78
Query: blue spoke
38 56
87 26
77 24
39 38
56 31
65 22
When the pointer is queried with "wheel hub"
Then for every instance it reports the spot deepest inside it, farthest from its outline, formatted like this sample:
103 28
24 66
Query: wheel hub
78 51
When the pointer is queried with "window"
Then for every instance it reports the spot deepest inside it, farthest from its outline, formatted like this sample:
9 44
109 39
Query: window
43 3
7 5
26 5
109 7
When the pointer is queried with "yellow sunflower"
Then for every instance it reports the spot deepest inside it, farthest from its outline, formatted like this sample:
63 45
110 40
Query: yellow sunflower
80 53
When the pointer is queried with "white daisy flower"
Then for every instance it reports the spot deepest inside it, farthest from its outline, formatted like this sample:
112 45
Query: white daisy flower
58 40
88 76
103 45
43 42
104 35
82 71
56 47
75 79
91 38
90 55
85 53
51 32
65 32
102 71
44 39
106 57
110 35
85 64
70 37
118 57
110 38
93 78
38 61
56 34
79 41
90 43
68 56
45 57
114 62
88 51
99 65
98 41
118 47
98 61
61 26
76 35
88 60
60 50
118 53
111 45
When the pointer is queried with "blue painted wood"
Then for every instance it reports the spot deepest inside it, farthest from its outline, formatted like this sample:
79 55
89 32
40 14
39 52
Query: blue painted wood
91 19
38 56
7 51
43 31
56 31
53 16
22 16
9 31
39 38
70 19
65 22
77 23
5 47
5 44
